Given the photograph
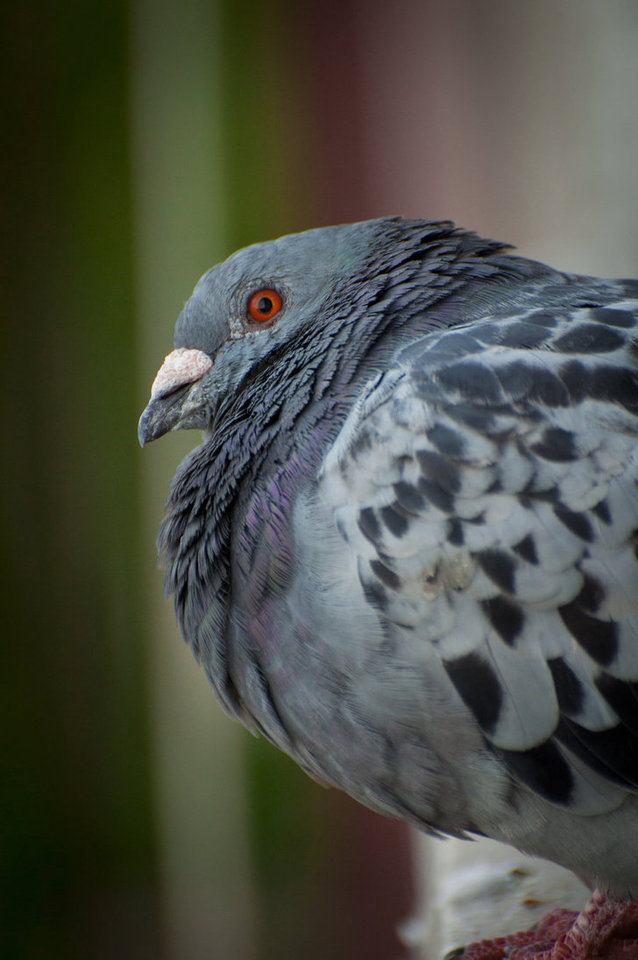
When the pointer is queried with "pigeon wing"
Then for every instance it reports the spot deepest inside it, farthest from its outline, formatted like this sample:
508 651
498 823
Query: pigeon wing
486 484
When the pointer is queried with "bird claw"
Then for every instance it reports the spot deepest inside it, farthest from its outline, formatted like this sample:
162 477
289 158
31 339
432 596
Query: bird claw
604 930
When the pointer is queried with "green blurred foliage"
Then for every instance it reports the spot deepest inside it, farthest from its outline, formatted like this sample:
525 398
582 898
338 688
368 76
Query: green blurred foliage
77 830
266 124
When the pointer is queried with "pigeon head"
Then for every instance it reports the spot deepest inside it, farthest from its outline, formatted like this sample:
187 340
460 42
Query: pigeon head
273 310
243 313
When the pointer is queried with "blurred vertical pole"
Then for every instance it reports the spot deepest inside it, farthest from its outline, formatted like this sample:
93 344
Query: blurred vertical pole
77 876
180 216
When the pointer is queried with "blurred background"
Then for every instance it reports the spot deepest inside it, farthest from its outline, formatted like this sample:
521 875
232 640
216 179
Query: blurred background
143 141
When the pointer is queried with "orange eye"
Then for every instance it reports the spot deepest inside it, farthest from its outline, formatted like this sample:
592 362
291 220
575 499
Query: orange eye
264 304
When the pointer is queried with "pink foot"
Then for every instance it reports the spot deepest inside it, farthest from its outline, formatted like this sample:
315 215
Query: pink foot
606 929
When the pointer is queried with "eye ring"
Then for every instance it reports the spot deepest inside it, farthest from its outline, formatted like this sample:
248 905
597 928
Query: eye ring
264 304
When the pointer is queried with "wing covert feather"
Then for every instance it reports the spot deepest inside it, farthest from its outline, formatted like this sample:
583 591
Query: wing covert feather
487 485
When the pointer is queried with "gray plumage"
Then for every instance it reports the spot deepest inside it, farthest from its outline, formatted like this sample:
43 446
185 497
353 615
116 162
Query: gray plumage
405 550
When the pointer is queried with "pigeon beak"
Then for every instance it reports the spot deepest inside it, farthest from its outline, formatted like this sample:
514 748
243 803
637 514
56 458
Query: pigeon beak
180 371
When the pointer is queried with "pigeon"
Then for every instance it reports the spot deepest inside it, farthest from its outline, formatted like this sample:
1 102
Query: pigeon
406 549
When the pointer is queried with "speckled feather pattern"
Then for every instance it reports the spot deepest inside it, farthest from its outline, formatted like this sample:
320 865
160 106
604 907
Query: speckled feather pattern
406 550
496 517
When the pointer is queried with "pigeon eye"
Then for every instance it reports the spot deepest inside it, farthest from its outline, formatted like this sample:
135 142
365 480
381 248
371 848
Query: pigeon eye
264 304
